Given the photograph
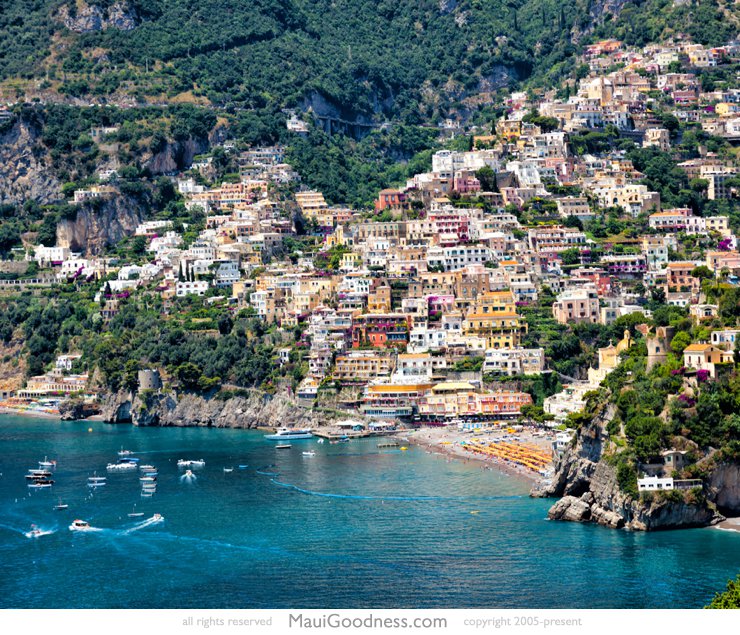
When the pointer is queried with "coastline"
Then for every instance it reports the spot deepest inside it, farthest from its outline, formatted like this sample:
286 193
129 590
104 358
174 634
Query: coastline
22 412
447 442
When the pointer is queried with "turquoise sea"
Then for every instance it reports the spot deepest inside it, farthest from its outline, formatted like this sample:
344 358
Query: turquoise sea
351 527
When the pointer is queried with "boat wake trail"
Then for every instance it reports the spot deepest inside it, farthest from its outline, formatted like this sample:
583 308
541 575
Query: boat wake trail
388 498
263 471
39 532
142 525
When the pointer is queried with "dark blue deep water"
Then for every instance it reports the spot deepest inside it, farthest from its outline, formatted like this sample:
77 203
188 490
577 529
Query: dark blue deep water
351 527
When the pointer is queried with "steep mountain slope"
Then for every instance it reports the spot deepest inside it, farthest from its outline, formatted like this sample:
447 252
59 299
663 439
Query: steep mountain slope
354 59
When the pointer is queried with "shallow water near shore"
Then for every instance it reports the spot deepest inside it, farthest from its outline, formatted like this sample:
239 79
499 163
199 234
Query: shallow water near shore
351 527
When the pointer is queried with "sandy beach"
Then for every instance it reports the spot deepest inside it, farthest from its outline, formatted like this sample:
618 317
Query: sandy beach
731 524
447 441
5 410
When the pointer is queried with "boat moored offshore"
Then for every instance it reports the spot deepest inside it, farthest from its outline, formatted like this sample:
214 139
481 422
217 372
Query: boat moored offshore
288 434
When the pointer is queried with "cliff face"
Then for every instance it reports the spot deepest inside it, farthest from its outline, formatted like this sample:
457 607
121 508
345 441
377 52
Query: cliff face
259 409
89 18
100 224
24 173
590 492
724 487
176 156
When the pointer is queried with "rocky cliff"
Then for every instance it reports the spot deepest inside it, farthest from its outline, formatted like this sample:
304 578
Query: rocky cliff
257 409
101 223
26 173
587 484
81 17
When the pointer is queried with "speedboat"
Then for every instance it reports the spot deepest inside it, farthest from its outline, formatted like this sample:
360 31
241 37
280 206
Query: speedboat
157 518
147 468
188 474
35 532
190 463
228 469
287 434
148 479
320 441
80 525
283 446
121 467
311 453
47 463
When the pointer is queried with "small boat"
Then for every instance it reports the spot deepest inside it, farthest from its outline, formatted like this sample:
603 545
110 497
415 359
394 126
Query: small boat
157 518
148 479
190 463
121 467
60 506
38 476
45 484
310 453
188 474
123 452
147 493
320 441
283 446
147 468
80 525
227 470
135 514
243 467
95 480
35 532
47 463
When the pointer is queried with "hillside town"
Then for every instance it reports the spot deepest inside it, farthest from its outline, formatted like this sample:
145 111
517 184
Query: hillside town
420 310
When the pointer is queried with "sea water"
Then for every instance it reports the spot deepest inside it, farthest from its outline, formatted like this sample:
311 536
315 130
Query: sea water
353 526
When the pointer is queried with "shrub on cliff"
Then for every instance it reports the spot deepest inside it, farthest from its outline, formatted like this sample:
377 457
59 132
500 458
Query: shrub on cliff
730 599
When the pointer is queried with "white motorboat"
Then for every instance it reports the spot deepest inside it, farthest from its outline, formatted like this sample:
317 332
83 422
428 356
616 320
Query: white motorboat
190 463
35 532
148 479
34 475
283 446
41 484
121 467
147 493
60 506
81 525
228 469
288 434
95 480
46 463
147 468
310 453
157 518
123 452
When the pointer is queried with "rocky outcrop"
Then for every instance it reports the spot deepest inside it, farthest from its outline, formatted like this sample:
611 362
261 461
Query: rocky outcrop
724 487
255 410
90 18
101 223
176 156
589 490
26 173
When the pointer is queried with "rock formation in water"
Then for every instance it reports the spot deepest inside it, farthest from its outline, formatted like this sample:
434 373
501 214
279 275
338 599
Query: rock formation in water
586 482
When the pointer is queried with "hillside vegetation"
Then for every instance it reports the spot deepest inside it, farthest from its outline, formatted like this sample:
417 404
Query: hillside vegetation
356 59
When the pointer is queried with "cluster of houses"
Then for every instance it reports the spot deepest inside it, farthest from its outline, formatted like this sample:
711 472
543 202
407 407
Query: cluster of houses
413 304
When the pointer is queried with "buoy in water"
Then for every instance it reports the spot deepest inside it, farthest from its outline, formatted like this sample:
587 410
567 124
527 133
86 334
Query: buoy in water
404 448
89 429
